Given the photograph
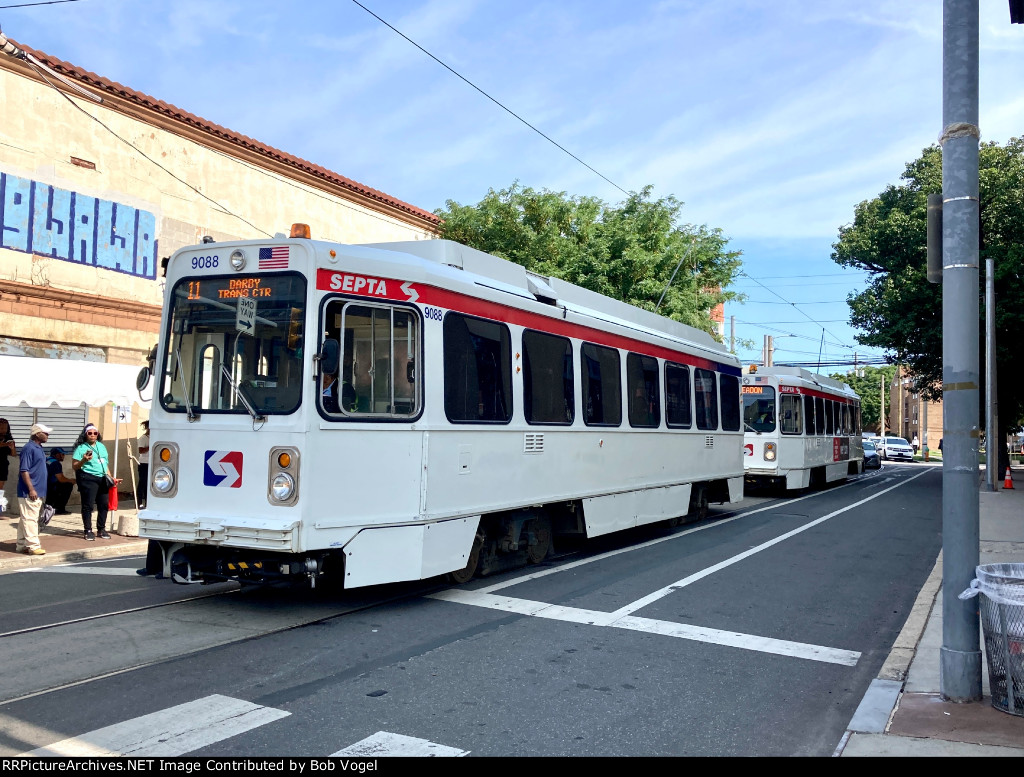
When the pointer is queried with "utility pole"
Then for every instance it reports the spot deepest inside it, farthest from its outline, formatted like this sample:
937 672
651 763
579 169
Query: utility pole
770 350
732 334
960 655
881 407
991 413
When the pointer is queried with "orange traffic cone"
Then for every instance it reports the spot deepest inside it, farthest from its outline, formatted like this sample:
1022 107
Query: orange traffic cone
1008 482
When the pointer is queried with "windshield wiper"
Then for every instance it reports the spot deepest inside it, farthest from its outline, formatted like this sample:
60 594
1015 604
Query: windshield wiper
258 417
192 417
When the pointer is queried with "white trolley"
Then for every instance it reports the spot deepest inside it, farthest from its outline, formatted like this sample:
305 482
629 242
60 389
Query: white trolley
800 429
366 414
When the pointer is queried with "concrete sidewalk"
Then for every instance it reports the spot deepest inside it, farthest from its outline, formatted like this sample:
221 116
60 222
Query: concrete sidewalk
903 713
64 539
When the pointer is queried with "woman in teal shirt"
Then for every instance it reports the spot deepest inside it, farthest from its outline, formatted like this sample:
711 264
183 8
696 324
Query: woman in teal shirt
91 465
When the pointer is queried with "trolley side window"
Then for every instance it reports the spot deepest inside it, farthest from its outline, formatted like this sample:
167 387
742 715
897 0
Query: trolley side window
601 374
759 408
548 385
729 386
642 389
705 399
830 414
789 417
377 370
809 414
819 415
477 370
678 413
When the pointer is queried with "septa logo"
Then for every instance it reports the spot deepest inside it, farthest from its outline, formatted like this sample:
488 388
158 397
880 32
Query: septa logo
748 449
223 469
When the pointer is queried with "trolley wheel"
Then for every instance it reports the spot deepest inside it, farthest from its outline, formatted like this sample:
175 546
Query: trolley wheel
698 504
537 551
466 574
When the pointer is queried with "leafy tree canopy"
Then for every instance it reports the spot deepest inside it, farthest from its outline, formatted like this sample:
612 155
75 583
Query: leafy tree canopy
900 311
628 251
869 387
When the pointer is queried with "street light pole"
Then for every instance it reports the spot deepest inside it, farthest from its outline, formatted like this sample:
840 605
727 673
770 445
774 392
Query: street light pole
960 655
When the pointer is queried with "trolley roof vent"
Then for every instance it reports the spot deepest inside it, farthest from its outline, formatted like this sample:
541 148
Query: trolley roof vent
533 442
539 287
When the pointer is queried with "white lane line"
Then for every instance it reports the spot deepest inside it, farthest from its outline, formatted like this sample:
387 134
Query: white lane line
676 536
650 626
168 733
384 744
114 571
653 597
648 544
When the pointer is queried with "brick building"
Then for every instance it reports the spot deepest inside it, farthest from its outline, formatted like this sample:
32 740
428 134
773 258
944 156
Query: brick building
94 194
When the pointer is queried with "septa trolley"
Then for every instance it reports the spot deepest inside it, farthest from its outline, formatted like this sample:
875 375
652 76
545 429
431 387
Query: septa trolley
369 414
800 429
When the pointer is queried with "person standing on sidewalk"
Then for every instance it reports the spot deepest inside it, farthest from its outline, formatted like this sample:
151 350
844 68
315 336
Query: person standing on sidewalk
90 462
143 487
32 490
58 486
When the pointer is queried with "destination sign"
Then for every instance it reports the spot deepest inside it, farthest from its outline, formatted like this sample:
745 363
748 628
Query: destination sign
230 288
752 390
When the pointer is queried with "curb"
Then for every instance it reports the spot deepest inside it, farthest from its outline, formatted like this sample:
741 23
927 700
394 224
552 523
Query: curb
19 563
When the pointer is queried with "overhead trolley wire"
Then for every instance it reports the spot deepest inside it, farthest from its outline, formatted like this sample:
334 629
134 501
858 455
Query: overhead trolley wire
493 100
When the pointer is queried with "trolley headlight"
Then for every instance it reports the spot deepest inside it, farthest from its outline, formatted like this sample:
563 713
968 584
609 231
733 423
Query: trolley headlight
237 259
282 487
163 480
769 451
283 476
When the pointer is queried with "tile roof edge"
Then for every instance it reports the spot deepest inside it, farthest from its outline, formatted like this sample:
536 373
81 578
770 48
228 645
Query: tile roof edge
105 85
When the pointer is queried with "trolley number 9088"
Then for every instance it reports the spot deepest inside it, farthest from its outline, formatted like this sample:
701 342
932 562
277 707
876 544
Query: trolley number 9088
204 262
433 313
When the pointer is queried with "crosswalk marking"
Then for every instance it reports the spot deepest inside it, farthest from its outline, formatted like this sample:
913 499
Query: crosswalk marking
384 743
168 733
651 626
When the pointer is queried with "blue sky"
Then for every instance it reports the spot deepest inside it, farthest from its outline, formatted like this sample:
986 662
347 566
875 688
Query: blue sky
769 120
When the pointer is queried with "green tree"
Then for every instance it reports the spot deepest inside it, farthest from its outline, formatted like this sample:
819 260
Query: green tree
628 251
900 311
869 387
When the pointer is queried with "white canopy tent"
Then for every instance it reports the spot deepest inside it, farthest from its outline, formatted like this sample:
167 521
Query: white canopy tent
65 382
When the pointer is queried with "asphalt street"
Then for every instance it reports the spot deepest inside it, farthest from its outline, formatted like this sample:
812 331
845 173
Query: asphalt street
756 632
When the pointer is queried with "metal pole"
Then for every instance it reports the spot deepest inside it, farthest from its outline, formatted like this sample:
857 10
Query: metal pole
732 334
881 407
991 425
960 655
770 350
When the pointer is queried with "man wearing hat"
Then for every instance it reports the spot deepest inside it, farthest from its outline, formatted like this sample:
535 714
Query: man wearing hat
32 490
58 485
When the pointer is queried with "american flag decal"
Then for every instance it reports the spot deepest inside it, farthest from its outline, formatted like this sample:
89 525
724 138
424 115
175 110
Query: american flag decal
274 258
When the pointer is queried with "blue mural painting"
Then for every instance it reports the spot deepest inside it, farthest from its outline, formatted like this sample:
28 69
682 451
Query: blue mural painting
42 219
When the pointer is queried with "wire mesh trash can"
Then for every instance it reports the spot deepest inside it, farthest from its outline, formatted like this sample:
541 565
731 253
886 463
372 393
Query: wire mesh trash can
1002 621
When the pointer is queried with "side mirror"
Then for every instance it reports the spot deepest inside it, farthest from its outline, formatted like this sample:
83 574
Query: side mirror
143 379
330 357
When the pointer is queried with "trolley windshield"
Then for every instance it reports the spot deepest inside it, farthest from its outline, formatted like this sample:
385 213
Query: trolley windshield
758 409
234 345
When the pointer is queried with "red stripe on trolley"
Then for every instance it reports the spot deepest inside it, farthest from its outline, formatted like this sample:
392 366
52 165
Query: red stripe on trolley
373 287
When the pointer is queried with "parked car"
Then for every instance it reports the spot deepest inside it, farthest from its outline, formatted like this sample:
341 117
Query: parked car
871 458
896 449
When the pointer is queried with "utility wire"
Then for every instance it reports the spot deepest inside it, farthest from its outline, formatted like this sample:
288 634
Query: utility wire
508 110
27 5
142 153
798 310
